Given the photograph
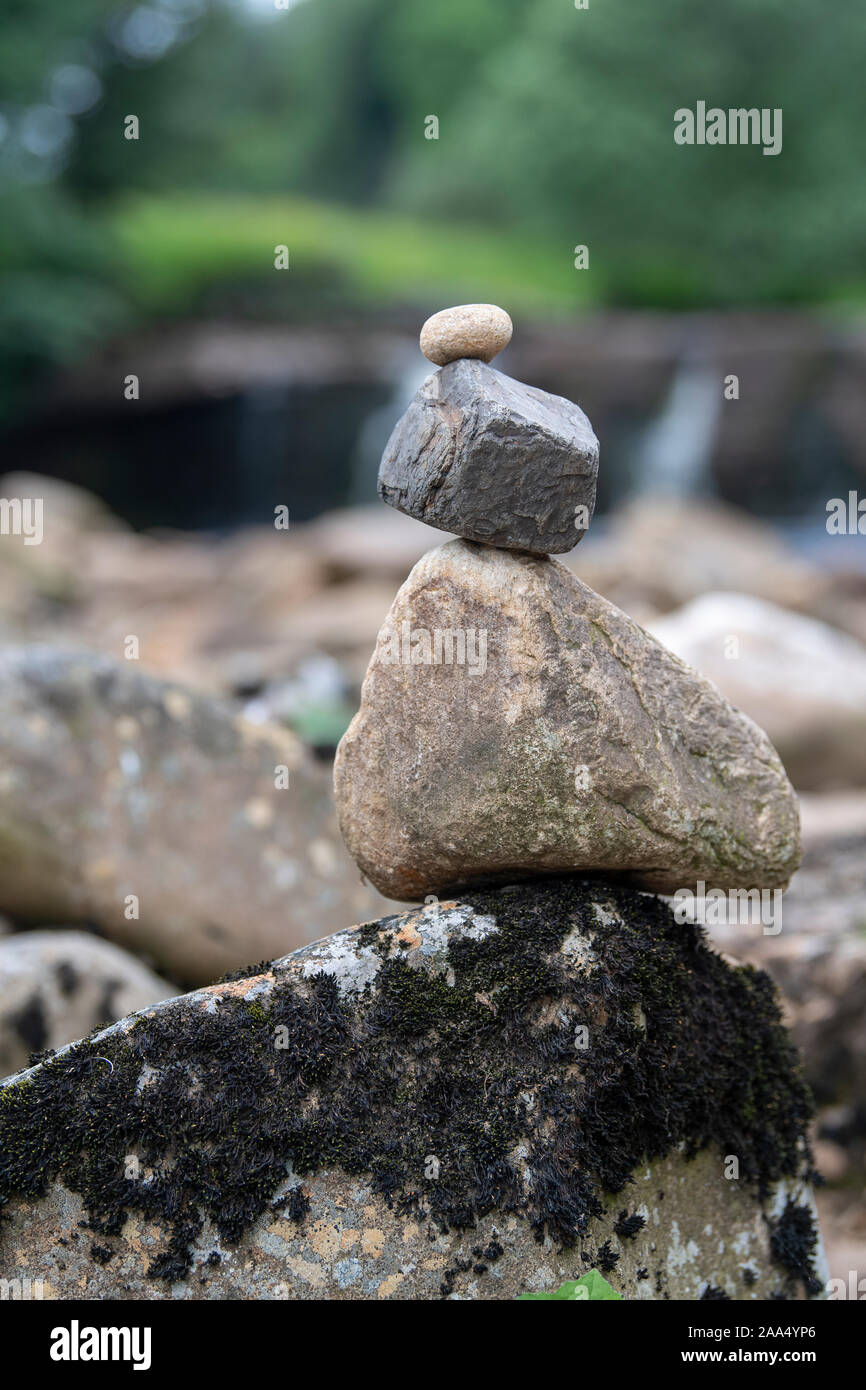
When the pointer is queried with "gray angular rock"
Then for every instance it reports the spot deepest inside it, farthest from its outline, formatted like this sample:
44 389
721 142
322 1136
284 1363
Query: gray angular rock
181 830
487 1096
56 986
513 722
490 459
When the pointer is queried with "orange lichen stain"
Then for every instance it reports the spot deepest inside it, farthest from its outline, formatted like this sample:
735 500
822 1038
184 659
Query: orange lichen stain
373 1242
306 1270
409 936
286 1230
389 1286
132 1235
325 1239
238 989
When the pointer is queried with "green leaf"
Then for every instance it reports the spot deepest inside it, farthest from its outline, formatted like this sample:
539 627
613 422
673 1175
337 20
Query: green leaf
590 1287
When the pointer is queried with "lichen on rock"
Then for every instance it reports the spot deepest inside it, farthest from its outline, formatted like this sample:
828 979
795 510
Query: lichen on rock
514 1070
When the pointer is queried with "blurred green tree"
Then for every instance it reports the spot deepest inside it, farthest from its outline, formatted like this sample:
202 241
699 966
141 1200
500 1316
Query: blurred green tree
555 124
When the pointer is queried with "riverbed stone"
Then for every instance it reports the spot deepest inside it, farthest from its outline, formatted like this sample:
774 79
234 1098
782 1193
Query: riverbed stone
467 330
513 722
473 1100
56 986
183 832
491 459
801 679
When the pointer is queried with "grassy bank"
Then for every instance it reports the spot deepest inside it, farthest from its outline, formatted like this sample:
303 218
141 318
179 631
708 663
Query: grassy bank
181 251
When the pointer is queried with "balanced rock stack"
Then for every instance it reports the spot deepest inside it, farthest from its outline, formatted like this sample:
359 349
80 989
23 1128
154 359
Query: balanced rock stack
513 723
539 1073
516 728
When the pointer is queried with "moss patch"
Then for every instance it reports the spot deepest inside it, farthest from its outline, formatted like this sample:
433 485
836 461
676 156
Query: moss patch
428 1086
793 1243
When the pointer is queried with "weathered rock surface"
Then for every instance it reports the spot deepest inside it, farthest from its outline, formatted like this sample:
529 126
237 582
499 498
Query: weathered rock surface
480 1098
493 460
467 330
56 986
818 960
802 681
124 795
577 743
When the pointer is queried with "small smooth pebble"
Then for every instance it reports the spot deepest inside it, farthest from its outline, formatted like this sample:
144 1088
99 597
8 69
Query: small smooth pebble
467 330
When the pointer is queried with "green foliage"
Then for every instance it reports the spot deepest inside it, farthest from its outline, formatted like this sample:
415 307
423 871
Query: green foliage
180 249
556 129
590 1287
59 289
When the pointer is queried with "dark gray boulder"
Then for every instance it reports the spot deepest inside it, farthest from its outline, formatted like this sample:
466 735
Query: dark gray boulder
492 460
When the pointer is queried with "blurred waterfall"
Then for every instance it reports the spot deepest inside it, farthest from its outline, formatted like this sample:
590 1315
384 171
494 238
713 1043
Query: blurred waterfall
673 457
408 372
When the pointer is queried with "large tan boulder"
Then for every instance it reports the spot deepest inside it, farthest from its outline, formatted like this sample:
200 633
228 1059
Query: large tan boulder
514 723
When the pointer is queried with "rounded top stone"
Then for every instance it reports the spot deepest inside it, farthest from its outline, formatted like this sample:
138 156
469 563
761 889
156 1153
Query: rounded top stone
467 330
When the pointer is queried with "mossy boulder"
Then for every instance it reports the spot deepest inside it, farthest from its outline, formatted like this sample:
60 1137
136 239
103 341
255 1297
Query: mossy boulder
478 1098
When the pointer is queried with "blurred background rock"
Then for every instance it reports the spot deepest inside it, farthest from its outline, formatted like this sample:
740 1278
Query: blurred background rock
304 125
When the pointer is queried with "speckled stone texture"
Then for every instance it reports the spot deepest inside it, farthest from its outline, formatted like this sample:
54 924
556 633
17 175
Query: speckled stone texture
467 330
115 784
55 986
566 739
469 1101
490 459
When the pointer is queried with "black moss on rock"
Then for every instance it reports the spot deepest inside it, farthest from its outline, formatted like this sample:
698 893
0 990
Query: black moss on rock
415 1067
793 1243
606 1258
627 1226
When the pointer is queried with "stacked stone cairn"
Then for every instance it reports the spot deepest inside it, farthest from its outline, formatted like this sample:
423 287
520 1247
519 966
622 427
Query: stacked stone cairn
513 723
541 1072
517 729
